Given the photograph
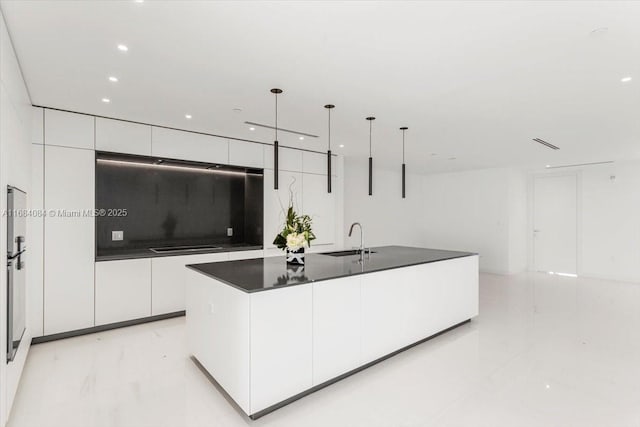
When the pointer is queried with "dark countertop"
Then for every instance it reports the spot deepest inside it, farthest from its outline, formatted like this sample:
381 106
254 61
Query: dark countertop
261 274
135 253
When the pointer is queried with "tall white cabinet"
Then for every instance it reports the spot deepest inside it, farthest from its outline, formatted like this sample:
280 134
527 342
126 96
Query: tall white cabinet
69 238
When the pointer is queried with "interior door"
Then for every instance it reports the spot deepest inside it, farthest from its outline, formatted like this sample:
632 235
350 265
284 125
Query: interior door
555 223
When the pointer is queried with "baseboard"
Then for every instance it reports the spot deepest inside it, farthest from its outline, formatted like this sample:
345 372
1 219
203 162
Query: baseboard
94 329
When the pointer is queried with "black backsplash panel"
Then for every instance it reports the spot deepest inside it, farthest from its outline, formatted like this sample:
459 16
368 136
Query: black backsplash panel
175 204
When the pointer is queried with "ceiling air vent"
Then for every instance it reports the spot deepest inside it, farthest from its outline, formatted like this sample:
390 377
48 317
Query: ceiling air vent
295 132
546 144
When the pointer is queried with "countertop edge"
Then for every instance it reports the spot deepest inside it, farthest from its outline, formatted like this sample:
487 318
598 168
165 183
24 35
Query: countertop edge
151 254
252 291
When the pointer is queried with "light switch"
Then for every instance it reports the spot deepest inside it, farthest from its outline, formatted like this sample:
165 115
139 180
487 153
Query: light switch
229 232
117 235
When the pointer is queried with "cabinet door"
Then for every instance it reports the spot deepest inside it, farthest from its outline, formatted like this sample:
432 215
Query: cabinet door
384 296
317 163
281 344
123 137
123 290
321 206
336 328
276 202
288 159
69 241
168 284
68 129
249 154
175 144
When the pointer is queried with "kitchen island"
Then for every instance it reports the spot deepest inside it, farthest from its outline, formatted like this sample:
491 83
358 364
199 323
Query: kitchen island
269 333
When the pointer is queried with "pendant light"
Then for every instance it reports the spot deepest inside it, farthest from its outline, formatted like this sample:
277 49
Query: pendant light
370 119
329 107
404 168
276 92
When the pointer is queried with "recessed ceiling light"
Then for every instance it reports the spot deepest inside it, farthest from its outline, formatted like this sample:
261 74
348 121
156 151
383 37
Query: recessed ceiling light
252 128
547 166
301 138
123 47
626 79
138 1
106 100
113 79
341 145
187 116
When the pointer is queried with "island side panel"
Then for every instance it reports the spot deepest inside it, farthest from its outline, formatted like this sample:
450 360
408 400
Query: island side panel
439 295
281 344
217 327
405 305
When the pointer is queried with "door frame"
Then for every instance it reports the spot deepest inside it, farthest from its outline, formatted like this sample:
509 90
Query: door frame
531 208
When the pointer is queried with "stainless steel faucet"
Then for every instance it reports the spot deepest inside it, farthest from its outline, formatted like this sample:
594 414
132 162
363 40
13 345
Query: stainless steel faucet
361 236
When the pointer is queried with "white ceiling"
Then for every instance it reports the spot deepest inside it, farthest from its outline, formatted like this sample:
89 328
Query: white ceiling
472 80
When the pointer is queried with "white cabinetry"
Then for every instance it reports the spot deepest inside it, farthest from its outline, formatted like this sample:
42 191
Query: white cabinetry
123 137
277 201
281 344
168 284
175 144
336 327
68 129
321 206
288 159
123 290
69 241
317 163
249 154
383 312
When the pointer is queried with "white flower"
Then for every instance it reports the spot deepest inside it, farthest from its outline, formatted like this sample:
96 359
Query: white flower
296 241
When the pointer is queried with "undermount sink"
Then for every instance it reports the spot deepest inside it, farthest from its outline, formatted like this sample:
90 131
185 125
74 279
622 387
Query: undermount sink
345 253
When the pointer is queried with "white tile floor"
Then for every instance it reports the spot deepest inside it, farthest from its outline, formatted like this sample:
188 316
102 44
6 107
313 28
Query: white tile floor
545 351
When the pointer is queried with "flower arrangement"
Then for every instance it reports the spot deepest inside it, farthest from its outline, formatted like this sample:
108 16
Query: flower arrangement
297 233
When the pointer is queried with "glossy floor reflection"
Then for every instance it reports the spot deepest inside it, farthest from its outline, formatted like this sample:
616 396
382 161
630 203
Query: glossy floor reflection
545 351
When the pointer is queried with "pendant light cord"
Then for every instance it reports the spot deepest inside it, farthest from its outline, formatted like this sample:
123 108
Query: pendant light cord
276 116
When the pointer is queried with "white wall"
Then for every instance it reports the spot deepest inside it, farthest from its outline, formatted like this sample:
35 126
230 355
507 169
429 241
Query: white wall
15 169
608 220
481 211
489 212
385 217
